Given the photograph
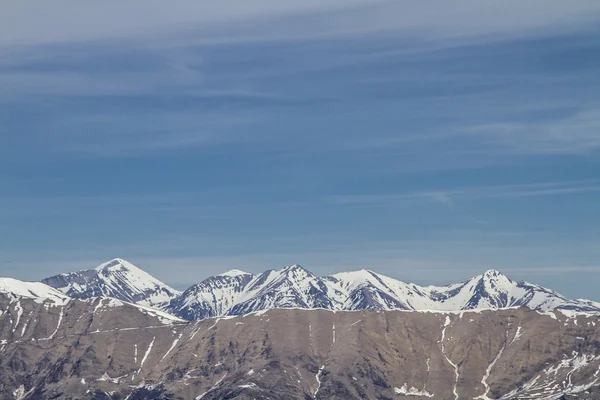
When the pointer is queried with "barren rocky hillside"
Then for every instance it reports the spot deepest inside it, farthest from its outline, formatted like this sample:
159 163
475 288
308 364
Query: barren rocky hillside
106 349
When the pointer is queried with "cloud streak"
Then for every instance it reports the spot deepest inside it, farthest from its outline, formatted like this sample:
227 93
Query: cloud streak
43 22
571 135
215 135
449 197
207 65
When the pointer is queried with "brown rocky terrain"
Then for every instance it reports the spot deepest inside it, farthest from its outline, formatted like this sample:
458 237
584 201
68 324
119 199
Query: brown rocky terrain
105 349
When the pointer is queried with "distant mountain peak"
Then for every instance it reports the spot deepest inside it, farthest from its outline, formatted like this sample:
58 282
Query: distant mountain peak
122 265
495 283
234 272
492 273
237 292
294 267
115 263
295 287
116 278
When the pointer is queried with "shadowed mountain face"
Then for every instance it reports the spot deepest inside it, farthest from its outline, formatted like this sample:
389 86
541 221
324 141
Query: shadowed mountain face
214 296
106 349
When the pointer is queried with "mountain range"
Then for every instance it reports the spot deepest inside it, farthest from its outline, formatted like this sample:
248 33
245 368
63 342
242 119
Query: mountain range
117 333
237 292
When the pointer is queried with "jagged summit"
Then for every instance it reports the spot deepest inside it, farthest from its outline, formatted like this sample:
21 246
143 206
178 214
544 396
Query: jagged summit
290 287
492 273
496 278
115 264
212 297
296 287
116 278
293 267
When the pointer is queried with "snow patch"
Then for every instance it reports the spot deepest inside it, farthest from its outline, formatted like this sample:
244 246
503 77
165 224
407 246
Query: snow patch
318 378
212 388
412 391
249 385
456 373
146 354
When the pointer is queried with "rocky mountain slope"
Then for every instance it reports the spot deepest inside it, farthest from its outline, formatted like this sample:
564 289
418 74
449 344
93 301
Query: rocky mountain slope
118 279
107 349
295 287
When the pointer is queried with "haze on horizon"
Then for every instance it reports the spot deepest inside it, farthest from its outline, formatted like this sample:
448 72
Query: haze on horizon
428 142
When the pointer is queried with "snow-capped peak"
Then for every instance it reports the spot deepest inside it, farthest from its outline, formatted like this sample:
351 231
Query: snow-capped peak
293 267
295 287
353 279
295 271
496 277
496 281
236 292
116 264
126 271
289 287
234 272
116 278
492 273
212 297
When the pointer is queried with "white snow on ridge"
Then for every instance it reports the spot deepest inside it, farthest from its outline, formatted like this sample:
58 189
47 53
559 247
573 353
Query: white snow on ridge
212 297
234 272
37 291
163 317
117 278
491 290
292 286
295 287
120 273
236 292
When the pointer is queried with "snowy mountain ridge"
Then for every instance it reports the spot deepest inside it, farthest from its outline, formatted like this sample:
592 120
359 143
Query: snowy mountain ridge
296 287
16 291
37 291
116 278
238 293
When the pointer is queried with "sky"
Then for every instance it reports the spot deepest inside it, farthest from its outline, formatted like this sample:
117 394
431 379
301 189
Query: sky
428 141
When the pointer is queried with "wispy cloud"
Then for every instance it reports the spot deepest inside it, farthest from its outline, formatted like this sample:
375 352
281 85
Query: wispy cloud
451 196
210 202
273 132
46 23
145 84
570 135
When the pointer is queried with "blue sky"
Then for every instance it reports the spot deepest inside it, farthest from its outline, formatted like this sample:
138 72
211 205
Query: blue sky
428 141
